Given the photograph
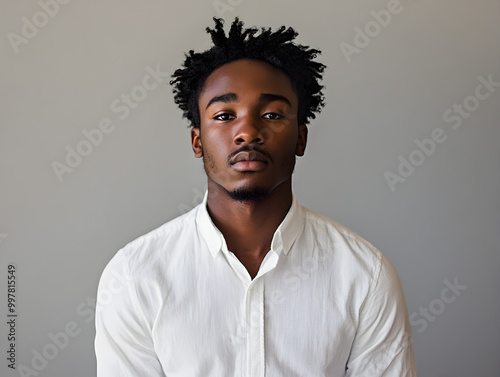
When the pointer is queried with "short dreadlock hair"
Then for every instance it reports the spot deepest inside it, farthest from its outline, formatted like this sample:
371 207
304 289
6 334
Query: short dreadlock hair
275 48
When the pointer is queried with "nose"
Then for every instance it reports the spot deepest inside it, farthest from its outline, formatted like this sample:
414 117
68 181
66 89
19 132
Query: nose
249 130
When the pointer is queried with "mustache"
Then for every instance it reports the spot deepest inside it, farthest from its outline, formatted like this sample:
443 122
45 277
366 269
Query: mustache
248 148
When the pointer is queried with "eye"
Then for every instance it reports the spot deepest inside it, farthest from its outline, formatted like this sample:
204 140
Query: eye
273 116
224 116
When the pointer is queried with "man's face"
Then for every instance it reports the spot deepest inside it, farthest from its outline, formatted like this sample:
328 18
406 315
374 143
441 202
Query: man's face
248 135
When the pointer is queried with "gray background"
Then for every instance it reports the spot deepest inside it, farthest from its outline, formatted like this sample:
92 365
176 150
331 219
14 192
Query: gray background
441 224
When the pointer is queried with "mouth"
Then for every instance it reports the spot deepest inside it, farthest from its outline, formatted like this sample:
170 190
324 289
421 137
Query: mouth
249 161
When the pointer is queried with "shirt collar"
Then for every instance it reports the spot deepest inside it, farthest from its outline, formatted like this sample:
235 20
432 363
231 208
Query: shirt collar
283 239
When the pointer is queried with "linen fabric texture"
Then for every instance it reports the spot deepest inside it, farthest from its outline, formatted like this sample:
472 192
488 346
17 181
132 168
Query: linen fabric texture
325 302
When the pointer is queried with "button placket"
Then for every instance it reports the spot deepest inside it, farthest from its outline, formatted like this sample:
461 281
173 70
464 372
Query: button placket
255 328
254 302
254 309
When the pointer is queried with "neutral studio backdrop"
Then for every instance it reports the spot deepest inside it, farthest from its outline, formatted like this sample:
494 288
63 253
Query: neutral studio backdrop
406 154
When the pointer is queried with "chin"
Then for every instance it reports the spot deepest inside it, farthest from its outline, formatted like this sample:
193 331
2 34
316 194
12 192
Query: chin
249 194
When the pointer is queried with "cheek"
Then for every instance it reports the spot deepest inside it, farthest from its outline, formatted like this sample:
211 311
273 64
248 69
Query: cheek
289 160
214 150
278 136
286 142
208 160
287 146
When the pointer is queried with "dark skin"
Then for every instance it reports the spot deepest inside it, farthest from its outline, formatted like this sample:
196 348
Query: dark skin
249 139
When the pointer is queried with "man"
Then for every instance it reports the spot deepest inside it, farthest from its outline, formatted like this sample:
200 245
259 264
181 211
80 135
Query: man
249 283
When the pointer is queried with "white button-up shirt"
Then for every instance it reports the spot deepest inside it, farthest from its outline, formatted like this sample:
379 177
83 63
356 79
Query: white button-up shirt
177 303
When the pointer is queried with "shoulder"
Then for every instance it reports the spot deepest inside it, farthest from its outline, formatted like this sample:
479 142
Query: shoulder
348 255
364 270
149 251
334 238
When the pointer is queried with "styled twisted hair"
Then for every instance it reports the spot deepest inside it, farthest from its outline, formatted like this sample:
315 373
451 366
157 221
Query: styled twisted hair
275 48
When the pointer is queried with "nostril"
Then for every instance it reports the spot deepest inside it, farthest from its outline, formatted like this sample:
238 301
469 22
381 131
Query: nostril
249 131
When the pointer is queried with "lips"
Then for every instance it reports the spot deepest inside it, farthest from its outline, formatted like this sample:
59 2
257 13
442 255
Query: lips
249 161
248 156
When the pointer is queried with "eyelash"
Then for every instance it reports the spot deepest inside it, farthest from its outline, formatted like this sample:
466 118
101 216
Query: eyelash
278 116
217 117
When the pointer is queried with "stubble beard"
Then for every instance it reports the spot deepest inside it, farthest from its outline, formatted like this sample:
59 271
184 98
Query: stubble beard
253 195
247 195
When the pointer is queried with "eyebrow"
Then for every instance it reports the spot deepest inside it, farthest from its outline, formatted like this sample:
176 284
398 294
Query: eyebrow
228 97
233 97
269 97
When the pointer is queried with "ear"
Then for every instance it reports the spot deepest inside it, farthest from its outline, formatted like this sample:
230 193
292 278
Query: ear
196 142
301 141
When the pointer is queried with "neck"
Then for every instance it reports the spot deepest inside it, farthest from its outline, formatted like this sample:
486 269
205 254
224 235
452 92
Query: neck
248 227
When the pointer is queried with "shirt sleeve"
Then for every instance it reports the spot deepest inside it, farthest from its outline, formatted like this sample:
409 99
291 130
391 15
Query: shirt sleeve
383 344
123 342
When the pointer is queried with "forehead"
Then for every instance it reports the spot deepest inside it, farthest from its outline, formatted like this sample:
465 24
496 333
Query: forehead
247 77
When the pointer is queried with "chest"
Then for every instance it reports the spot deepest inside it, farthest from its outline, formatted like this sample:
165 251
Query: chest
289 318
